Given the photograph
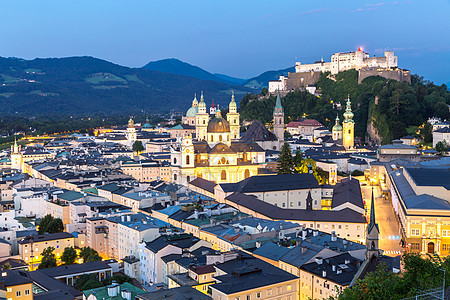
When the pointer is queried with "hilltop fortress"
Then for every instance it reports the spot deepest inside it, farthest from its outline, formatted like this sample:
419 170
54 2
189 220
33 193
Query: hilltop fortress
307 75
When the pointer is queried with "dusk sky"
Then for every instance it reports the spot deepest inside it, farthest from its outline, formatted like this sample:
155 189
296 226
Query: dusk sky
237 38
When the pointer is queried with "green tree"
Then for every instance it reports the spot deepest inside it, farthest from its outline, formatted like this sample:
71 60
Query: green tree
285 160
138 147
48 258
427 132
264 91
119 278
45 221
87 281
56 225
6 266
69 255
441 147
88 254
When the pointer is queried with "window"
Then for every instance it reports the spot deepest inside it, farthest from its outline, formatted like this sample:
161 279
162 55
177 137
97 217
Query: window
416 232
299 203
445 247
446 233
18 294
188 159
269 292
223 175
284 204
346 227
27 292
415 246
289 287
258 295
292 204
339 226
9 290
248 297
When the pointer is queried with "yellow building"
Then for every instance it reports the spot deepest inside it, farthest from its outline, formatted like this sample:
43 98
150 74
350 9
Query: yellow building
31 247
216 154
15 285
348 127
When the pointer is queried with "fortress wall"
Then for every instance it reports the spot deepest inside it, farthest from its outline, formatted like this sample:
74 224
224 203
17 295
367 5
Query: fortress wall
299 80
398 74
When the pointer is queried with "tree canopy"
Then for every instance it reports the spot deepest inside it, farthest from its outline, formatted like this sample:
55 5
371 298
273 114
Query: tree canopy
88 254
285 160
69 255
50 224
48 258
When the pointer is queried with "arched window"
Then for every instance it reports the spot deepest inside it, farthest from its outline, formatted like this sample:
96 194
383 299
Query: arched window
204 122
188 178
174 160
188 159
235 121
228 137
245 156
175 177
212 138
223 175
220 138
246 174
349 131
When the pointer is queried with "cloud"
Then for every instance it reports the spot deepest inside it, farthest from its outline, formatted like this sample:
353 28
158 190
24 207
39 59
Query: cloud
312 11
375 6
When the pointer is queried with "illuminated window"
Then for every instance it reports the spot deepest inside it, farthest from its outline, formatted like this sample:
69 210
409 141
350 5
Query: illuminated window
223 175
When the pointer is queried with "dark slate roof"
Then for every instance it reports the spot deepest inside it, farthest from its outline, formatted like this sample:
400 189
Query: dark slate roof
277 213
271 250
171 257
349 270
277 182
179 293
247 273
430 177
45 237
75 269
54 294
443 130
204 184
14 277
246 147
257 132
348 190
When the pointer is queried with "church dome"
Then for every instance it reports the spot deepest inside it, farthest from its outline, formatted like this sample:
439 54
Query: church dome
337 126
218 125
192 111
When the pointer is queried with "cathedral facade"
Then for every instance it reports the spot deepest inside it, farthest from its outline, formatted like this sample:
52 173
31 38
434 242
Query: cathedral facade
215 153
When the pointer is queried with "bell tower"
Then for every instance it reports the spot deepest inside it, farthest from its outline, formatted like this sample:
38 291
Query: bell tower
16 157
201 120
233 119
348 126
131 131
187 152
278 119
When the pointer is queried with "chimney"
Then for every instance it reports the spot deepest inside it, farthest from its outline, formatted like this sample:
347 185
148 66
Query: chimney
347 261
315 232
324 274
333 236
304 234
196 214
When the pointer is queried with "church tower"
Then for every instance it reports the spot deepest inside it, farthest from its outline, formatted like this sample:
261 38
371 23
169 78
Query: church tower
373 233
337 130
348 126
201 120
16 157
233 119
212 109
131 132
278 119
187 152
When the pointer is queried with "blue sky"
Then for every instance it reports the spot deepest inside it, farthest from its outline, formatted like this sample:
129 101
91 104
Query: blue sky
237 38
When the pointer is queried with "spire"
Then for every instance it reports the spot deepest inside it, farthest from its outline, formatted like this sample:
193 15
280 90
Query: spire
212 104
372 216
278 102
232 96
218 112
16 148
309 201
348 115
202 101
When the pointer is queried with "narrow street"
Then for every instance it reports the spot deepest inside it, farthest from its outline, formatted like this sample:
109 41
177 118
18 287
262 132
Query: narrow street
387 222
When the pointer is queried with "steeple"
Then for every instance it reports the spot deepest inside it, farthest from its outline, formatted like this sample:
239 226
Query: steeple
348 115
278 103
195 101
309 201
131 123
232 107
16 148
218 112
278 119
373 233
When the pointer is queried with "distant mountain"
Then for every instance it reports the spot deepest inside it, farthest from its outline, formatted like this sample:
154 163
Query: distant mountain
262 80
176 66
227 78
84 85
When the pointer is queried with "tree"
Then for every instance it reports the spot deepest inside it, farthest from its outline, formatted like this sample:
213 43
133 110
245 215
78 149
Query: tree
88 254
48 258
55 226
285 161
86 282
69 255
6 266
138 147
427 132
441 147
119 278
45 221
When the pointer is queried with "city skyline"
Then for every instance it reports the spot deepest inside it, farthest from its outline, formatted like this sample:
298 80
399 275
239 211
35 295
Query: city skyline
241 40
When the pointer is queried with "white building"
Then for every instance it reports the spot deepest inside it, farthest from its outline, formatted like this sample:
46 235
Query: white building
442 134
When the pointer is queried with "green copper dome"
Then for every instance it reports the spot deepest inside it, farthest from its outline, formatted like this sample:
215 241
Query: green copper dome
348 115
337 126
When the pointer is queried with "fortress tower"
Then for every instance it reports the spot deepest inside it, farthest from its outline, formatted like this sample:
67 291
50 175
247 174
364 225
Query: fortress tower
348 126
233 119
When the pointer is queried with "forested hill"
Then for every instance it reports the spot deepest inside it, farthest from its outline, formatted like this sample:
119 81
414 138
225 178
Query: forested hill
87 85
399 105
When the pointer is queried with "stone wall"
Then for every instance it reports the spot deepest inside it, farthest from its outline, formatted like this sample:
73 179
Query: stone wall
301 80
397 74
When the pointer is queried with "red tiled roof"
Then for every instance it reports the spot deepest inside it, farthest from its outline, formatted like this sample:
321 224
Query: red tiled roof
305 122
